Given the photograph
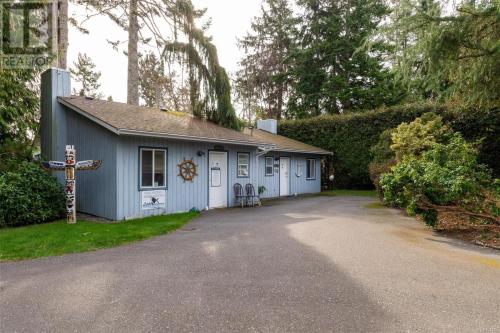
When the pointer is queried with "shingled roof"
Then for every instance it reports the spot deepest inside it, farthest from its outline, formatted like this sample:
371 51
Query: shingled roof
285 144
126 119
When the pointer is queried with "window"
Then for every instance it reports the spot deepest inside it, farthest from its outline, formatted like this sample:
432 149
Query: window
243 164
153 167
269 166
311 169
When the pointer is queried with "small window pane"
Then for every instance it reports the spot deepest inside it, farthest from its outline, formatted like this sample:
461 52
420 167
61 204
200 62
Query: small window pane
243 170
147 168
243 158
269 166
311 169
243 165
159 168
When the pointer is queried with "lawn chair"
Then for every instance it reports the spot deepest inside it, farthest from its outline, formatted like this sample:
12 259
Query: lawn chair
238 194
251 196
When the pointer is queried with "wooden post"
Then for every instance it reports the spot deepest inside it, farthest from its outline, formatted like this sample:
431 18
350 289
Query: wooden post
70 157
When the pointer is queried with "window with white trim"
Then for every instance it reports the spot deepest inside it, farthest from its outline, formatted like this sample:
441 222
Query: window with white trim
243 164
153 168
269 166
311 169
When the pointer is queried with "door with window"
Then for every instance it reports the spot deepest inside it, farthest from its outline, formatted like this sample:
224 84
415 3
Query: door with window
284 176
217 179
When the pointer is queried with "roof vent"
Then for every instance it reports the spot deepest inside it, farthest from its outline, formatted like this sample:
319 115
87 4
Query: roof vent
268 125
89 98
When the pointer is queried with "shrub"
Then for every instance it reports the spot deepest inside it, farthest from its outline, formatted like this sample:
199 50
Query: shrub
408 139
446 175
29 196
350 136
383 159
412 139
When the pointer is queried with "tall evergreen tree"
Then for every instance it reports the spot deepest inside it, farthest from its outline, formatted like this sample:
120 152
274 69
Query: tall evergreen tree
210 88
446 50
331 72
263 70
84 72
171 27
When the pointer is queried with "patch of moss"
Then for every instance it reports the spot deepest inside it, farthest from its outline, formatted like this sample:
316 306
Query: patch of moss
374 205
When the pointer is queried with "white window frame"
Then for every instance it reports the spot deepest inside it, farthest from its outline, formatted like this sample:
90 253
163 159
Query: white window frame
153 150
311 168
271 158
238 164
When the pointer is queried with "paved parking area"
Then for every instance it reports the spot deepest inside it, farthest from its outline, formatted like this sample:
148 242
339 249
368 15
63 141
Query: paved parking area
313 264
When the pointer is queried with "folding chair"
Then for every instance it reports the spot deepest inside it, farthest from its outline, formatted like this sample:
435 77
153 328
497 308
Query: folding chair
238 194
251 196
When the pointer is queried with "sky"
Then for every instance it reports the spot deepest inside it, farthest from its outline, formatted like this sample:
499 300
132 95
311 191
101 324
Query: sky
230 19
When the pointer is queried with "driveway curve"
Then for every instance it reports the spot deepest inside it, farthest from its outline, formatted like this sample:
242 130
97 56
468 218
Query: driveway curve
313 264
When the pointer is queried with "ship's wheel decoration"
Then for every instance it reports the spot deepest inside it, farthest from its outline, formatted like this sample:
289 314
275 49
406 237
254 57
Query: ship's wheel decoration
187 170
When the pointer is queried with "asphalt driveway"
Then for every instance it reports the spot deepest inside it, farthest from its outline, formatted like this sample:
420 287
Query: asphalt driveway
317 264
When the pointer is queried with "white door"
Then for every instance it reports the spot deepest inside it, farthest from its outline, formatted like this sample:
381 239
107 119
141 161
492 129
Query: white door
217 179
284 176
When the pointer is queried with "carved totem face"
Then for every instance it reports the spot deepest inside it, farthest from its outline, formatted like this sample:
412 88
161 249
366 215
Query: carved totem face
70 157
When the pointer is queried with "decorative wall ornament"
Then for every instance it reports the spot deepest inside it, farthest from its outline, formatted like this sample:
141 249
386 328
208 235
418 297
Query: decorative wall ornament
69 166
299 170
187 170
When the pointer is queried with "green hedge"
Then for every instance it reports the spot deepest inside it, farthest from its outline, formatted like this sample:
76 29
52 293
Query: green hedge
29 195
350 136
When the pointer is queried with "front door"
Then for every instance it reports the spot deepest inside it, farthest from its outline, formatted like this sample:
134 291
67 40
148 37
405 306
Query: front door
217 179
284 176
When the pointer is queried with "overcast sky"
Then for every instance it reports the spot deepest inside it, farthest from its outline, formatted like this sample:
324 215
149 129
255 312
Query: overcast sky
230 19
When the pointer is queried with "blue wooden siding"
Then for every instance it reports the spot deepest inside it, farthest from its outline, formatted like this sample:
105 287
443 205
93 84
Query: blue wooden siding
301 185
180 196
95 190
271 183
298 185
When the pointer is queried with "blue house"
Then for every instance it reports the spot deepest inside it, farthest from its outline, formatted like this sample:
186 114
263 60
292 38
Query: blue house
156 161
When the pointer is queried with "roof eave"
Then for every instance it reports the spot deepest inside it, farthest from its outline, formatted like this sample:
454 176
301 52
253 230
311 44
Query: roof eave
315 152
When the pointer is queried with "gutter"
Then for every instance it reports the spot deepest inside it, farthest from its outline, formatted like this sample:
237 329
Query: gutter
315 152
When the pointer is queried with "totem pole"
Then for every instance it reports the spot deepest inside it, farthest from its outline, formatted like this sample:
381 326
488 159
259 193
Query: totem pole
70 166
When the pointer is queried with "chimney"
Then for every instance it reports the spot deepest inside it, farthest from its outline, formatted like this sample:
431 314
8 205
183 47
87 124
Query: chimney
55 82
268 125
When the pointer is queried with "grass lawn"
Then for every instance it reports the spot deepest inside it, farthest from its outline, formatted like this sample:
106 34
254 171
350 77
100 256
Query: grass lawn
58 238
357 193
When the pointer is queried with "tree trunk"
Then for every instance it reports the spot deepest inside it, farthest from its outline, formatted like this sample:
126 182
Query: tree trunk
62 38
279 110
133 56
